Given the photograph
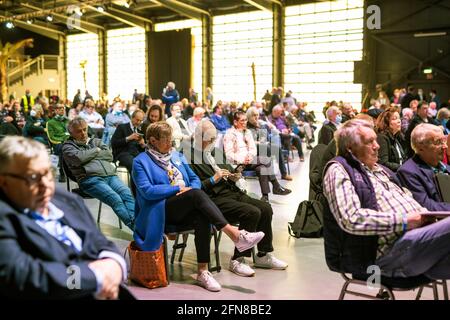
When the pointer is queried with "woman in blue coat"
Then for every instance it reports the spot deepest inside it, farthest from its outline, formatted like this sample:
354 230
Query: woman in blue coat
169 192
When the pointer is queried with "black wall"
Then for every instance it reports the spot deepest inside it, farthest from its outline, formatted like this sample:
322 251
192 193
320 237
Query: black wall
170 60
396 58
42 45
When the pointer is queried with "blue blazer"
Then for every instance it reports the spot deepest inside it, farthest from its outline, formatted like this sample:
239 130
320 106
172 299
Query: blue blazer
152 190
418 177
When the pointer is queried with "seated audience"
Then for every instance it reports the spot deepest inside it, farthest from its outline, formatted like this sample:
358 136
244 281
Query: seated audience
58 134
89 162
35 127
240 149
154 114
170 96
364 201
93 119
198 115
420 117
407 115
168 192
128 141
267 139
181 135
442 118
219 182
330 125
114 119
219 120
278 119
390 139
417 174
47 235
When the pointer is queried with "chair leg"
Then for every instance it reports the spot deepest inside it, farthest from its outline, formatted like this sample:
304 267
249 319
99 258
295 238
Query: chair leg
166 258
120 224
444 288
185 239
419 293
216 250
254 255
344 290
99 214
174 249
435 290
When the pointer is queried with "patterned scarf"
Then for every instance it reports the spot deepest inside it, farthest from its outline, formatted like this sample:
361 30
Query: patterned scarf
163 160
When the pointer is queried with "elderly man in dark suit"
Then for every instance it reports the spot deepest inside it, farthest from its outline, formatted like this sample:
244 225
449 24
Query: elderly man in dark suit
417 174
128 141
50 246
219 182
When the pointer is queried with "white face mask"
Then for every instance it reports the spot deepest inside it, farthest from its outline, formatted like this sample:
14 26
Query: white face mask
33 113
178 115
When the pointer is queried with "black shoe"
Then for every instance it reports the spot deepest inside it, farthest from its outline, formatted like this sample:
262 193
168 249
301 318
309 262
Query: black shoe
281 191
265 199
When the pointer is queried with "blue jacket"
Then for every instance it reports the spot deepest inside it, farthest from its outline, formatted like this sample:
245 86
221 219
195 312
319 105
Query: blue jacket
221 123
418 177
152 190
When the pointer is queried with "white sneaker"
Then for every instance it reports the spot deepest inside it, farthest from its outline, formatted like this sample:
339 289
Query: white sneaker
240 268
248 240
269 262
207 281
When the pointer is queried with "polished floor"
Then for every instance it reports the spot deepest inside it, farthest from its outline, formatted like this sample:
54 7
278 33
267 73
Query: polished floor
307 276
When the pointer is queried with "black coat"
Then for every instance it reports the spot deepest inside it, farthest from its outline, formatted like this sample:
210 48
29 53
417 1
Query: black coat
34 264
326 133
388 154
120 145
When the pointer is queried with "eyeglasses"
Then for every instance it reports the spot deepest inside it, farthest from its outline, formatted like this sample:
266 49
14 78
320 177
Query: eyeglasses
439 142
34 178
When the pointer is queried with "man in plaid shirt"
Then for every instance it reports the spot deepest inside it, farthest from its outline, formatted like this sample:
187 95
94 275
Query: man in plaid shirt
408 244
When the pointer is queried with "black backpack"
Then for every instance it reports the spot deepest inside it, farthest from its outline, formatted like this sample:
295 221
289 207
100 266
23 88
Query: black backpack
308 222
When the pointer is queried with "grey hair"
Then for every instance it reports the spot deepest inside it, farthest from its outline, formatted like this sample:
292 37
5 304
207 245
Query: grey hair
12 147
198 111
252 111
330 109
420 134
349 135
443 113
75 122
277 108
204 131
170 84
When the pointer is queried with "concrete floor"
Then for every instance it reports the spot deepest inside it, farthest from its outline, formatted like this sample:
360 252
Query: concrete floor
306 278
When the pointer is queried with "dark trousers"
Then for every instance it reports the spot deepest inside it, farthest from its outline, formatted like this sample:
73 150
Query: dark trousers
126 160
195 208
57 149
286 140
251 214
264 171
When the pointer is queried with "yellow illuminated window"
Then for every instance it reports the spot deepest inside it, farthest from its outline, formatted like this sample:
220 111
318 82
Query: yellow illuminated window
82 64
238 41
196 32
321 42
125 56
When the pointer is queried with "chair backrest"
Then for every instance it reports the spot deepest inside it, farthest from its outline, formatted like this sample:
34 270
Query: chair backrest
315 177
345 252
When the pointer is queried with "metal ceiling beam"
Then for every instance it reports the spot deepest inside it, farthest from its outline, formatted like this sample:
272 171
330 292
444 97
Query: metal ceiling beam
84 26
130 15
117 17
183 8
410 14
46 31
263 5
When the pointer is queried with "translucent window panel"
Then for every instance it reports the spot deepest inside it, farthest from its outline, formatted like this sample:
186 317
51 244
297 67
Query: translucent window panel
196 32
238 41
321 42
125 62
79 48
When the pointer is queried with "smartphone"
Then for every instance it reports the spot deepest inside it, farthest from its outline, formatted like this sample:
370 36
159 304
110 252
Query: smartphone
239 168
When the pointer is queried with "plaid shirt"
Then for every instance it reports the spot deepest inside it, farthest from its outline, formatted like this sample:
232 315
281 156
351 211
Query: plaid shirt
394 205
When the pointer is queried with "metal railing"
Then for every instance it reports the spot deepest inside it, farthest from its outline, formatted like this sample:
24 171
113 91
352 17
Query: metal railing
32 66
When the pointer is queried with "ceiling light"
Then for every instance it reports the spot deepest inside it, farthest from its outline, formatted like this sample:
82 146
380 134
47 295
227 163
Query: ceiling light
9 25
429 34
49 18
30 21
100 9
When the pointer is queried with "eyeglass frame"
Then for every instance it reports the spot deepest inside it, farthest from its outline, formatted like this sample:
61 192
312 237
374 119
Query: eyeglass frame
33 179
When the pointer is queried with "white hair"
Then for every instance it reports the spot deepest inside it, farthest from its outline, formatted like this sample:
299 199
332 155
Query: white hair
330 110
420 134
198 111
12 147
349 135
171 85
251 111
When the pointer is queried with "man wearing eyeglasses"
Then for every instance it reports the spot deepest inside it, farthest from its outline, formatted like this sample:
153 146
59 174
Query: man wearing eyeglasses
417 174
50 247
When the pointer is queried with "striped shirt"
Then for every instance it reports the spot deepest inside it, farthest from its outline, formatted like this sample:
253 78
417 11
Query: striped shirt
394 204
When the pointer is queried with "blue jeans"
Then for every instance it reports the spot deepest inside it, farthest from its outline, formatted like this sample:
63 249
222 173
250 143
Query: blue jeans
114 193
421 251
